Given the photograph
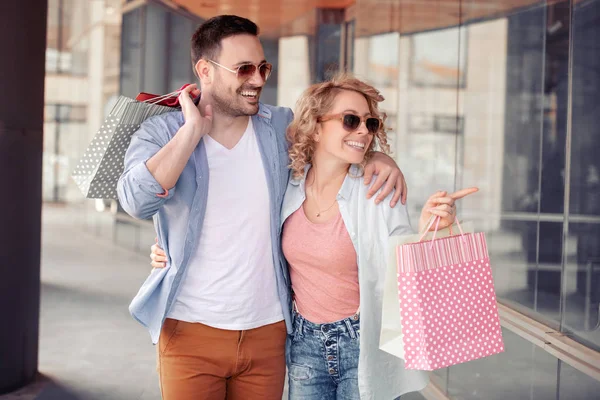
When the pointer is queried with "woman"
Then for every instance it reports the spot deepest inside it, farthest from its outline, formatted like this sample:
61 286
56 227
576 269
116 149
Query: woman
335 241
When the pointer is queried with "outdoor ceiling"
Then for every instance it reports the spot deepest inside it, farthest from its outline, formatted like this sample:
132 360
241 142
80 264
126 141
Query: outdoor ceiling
408 16
376 16
270 15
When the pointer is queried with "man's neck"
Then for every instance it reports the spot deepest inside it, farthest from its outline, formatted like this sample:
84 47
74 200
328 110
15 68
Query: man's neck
226 130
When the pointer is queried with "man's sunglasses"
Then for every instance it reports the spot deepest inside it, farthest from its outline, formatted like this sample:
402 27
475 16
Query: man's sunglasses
246 71
351 122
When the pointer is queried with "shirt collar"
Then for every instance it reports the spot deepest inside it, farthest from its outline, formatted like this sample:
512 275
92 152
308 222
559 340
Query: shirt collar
263 111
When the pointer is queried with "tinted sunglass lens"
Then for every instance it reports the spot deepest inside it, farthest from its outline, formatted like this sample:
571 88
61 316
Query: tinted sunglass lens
265 71
244 71
351 122
373 125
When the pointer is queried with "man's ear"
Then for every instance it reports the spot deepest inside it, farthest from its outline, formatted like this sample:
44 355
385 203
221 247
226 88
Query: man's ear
203 71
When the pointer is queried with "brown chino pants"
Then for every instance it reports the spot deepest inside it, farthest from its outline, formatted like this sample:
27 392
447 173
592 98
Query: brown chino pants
199 362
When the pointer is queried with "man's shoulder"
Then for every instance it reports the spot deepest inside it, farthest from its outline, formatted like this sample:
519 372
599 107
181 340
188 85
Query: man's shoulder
162 127
271 112
278 117
171 120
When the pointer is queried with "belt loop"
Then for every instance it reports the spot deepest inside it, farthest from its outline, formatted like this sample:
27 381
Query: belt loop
300 324
351 330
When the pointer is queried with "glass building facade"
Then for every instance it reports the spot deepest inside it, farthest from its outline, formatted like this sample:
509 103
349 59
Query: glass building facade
503 95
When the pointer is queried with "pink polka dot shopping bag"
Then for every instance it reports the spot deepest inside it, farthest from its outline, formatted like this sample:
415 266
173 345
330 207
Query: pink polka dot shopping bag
446 304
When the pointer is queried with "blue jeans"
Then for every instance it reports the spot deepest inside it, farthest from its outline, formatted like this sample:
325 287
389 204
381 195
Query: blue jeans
322 359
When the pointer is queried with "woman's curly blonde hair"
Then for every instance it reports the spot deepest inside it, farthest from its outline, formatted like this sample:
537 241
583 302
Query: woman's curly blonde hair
316 102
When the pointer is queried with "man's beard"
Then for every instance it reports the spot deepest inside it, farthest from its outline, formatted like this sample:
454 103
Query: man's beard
232 105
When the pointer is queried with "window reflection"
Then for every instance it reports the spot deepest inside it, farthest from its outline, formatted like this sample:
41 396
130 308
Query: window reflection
436 60
585 164
582 302
582 295
432 126
349 28
155 50
376 60
528 372
575 385
523 117
67 38
156 34
294 69
383 60
131 53
519 278
179 70
329 41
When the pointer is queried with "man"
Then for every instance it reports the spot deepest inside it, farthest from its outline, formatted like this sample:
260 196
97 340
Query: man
214 182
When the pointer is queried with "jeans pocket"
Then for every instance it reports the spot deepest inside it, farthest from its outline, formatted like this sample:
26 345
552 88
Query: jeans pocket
298 372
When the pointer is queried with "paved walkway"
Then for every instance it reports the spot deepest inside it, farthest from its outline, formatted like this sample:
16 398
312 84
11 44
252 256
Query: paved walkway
90 347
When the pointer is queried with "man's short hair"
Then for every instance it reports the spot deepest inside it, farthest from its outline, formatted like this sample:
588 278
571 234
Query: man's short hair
206 41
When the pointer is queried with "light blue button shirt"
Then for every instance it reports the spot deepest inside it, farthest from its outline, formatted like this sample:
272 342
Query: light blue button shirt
178 217
381 376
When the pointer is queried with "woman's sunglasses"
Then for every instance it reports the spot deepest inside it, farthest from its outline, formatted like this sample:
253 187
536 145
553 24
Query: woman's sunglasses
351 122
246 71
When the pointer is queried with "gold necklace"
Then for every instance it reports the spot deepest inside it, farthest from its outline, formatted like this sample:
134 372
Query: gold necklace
312 190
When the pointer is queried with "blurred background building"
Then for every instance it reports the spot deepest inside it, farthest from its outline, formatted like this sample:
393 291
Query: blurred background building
499 94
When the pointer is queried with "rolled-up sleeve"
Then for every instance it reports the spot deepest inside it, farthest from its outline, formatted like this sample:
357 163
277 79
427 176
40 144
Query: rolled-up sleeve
140 195
397 218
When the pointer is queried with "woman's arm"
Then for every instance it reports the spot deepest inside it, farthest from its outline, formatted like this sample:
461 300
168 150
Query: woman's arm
442 205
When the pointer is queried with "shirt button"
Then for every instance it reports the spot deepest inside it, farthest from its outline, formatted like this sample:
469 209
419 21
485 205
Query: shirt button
328 343
330 358
325 329
331 371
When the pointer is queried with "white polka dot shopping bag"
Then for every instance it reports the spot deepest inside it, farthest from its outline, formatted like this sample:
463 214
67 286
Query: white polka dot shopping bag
99 169
446 304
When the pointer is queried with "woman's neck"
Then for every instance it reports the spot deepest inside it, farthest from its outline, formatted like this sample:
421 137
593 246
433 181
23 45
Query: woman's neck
326 174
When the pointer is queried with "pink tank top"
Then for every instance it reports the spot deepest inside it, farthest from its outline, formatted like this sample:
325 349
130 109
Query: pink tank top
323 268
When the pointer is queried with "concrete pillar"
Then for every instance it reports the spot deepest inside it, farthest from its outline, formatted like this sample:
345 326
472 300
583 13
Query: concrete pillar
22 66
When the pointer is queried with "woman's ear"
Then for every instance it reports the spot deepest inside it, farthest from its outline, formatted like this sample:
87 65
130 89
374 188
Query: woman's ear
317 134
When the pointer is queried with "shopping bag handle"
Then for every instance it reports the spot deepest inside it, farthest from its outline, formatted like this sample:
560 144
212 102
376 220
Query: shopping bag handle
169 99
437 219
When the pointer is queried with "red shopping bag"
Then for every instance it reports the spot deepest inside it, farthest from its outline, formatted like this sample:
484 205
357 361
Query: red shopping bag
447 301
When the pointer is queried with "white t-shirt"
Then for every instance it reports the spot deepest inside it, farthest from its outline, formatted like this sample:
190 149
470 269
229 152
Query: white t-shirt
230 281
